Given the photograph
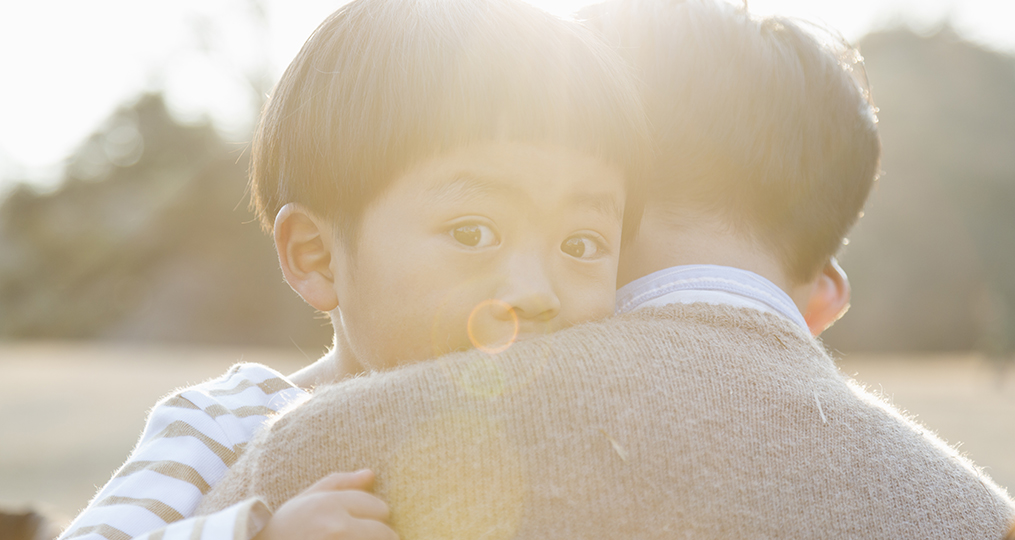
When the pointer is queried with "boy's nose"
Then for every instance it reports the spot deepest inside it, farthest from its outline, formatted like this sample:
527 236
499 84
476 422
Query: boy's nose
529 291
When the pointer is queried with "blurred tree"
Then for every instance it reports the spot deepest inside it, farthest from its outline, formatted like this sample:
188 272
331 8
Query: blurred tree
148 238
933 261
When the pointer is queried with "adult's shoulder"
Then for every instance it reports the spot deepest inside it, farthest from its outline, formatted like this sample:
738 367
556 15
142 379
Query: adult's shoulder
650 343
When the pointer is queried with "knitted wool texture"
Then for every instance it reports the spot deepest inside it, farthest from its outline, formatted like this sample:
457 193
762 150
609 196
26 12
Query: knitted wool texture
689 421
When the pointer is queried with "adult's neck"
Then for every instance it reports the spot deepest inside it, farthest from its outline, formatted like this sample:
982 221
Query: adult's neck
667 239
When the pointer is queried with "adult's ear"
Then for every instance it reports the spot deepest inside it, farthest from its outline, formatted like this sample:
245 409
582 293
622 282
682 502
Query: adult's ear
829 298
304 244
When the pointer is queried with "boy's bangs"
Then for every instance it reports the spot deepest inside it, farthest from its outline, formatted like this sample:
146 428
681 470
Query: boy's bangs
368 98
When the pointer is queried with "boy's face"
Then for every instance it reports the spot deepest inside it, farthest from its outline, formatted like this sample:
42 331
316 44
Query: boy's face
480 247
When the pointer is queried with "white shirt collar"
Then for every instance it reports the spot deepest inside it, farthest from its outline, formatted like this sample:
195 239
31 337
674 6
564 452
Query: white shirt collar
713 284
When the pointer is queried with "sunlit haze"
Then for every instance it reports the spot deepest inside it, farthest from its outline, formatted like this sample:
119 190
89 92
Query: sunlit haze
67 65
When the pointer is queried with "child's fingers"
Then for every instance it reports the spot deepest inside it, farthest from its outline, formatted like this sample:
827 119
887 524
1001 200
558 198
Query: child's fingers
359 504
339 481
368 529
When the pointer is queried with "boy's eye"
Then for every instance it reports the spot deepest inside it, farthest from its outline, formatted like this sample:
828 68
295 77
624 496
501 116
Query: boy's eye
580 247
474 235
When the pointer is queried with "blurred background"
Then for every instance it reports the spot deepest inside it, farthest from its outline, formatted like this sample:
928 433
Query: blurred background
130 265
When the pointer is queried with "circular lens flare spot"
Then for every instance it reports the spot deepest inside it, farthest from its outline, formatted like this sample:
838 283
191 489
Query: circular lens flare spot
497 346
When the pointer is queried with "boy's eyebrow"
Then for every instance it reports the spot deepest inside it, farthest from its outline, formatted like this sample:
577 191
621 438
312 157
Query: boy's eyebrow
604 203
470 186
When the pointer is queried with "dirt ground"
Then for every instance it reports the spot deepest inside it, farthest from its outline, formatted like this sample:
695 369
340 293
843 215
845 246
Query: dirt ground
74 411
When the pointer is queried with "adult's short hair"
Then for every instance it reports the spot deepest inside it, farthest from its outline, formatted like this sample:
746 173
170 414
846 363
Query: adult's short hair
384 84
763 121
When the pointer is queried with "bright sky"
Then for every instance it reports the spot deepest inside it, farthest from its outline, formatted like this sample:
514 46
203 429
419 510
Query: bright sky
65 65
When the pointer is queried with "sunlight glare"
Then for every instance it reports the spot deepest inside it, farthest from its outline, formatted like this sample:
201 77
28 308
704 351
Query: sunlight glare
121 49
480 342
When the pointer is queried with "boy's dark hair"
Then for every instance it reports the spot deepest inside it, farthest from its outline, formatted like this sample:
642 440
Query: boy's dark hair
384 84
754 120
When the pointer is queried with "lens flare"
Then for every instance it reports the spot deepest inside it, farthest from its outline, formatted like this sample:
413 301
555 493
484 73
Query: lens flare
498 346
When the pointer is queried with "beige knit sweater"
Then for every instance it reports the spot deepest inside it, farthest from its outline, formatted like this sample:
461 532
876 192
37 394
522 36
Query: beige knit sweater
675 422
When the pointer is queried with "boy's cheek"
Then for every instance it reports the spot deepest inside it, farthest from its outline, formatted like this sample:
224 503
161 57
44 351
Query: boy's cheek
604 306
589 299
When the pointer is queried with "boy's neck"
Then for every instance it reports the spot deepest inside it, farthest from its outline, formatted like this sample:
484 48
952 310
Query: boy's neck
337 364
665 241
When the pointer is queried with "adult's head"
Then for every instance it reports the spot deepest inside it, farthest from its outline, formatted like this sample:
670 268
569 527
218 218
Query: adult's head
762 123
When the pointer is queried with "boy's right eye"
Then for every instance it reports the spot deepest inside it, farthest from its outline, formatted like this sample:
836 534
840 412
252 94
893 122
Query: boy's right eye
474 235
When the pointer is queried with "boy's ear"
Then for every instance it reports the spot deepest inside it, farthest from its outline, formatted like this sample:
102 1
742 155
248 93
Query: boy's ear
305 245
829 298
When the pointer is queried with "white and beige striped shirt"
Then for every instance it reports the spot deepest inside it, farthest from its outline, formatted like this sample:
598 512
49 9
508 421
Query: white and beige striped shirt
191 439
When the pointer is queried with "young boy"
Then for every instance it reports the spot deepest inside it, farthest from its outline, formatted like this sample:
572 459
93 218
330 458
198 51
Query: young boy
438 176
706 410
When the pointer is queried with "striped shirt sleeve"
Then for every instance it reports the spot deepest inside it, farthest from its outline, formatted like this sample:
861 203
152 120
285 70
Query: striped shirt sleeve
191 439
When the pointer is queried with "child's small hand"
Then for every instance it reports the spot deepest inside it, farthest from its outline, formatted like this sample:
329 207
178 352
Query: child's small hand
336 507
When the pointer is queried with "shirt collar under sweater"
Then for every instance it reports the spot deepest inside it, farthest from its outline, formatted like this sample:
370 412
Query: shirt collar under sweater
709 283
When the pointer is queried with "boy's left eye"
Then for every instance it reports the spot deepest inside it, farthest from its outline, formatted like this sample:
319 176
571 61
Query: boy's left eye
474 235
580 247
